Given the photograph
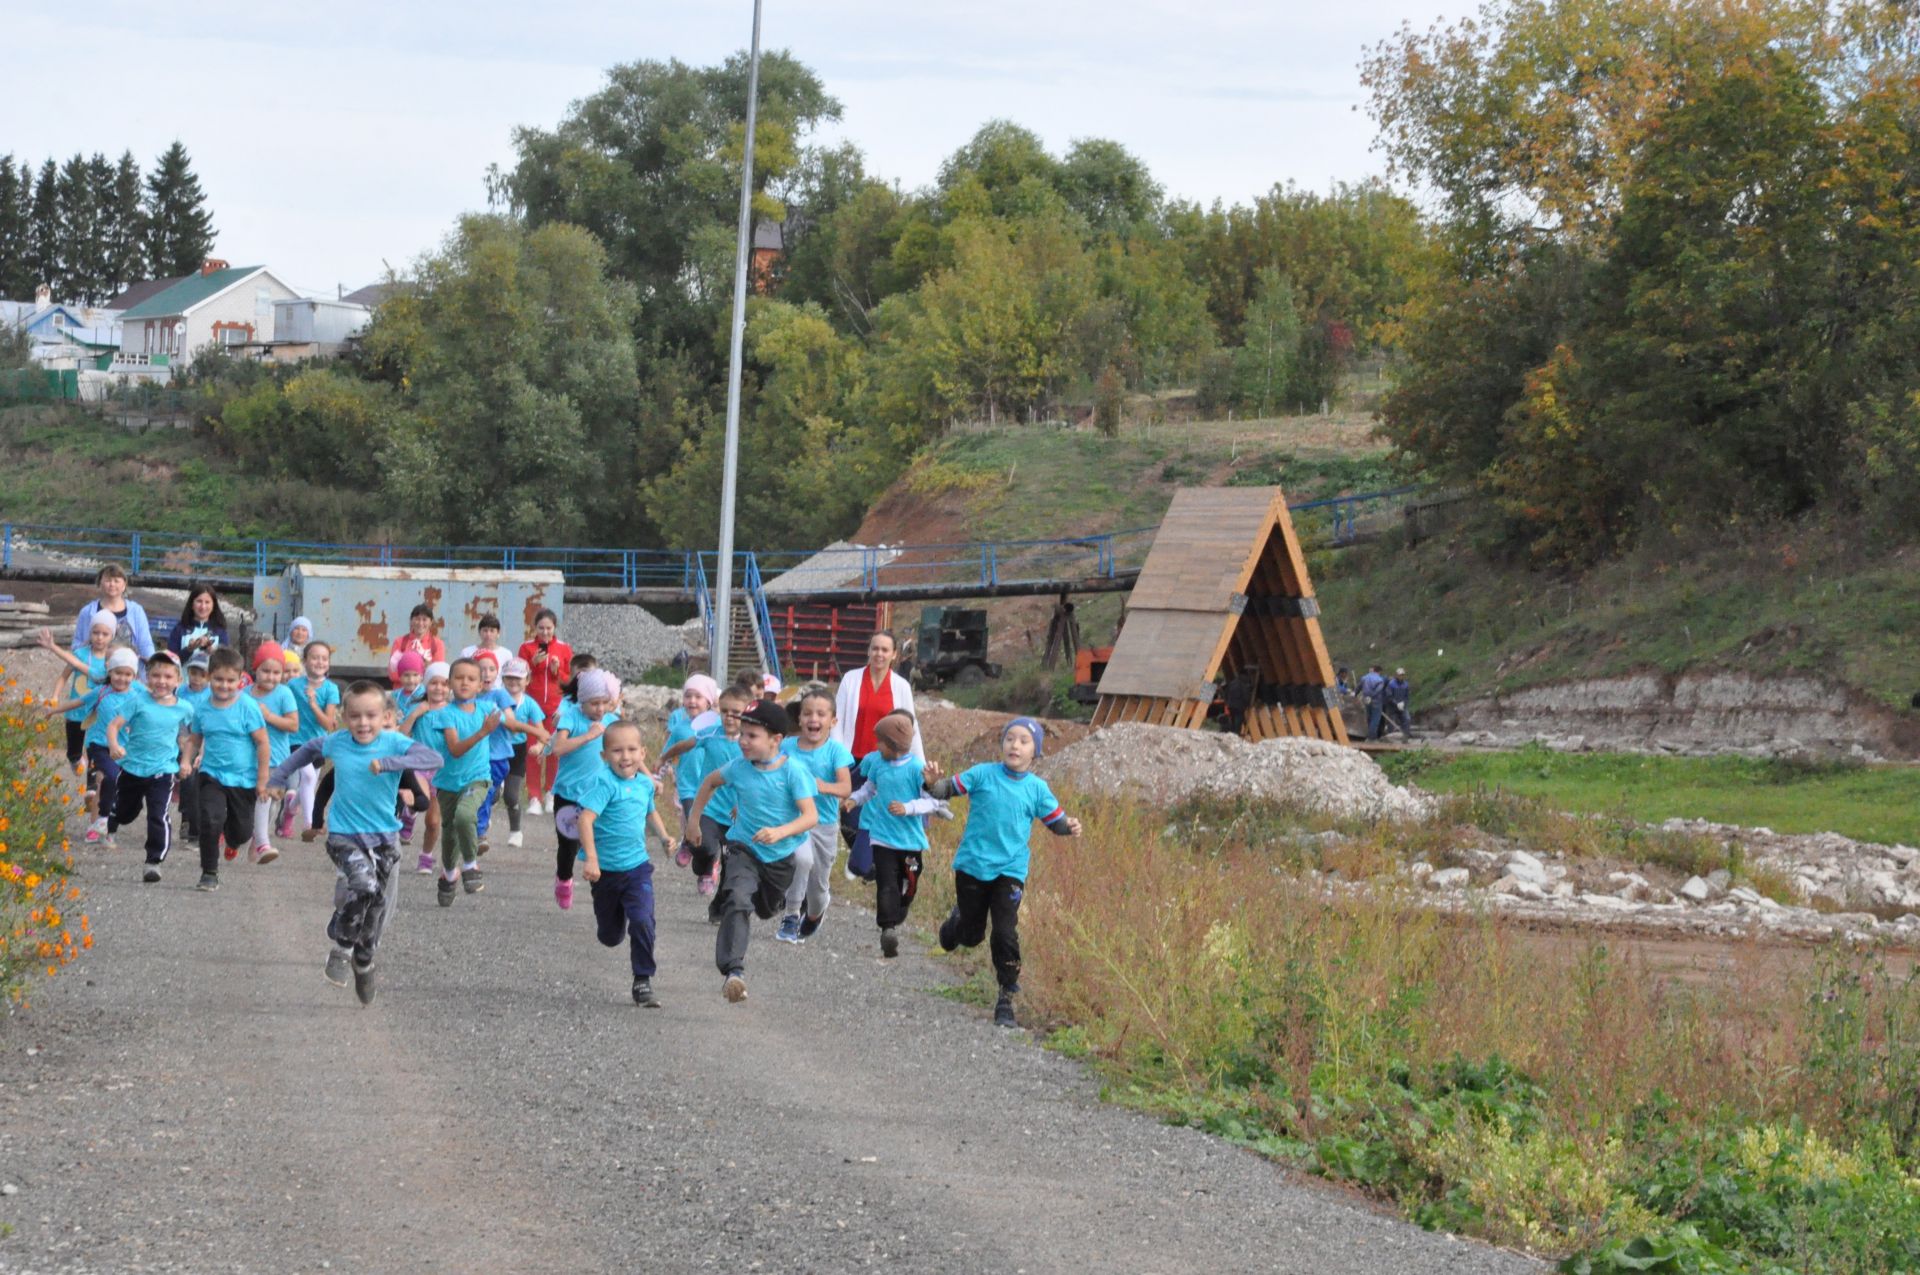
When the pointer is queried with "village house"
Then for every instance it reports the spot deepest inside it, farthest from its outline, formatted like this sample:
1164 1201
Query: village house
223 305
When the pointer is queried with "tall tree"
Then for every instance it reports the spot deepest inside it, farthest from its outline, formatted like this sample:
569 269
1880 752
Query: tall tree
43 228
179 229
81 256
13 234
124 227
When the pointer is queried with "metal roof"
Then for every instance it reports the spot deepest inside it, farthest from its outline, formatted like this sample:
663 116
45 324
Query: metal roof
191 292
135 293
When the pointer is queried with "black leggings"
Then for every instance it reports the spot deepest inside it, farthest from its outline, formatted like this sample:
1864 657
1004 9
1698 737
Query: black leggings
76 743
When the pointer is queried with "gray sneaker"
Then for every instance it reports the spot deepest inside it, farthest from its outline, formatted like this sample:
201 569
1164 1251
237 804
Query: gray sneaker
470 881
209 882
363 983
152 873
889 943
337 967
1003 1011
444 892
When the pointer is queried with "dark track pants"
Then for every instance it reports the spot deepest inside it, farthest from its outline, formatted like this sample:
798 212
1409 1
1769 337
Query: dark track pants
748 888
975 903
156 793
623 903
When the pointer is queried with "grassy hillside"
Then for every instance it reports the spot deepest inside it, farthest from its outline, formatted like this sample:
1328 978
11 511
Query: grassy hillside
67 466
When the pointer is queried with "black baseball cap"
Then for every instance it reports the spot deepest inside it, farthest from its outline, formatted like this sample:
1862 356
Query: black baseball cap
767 715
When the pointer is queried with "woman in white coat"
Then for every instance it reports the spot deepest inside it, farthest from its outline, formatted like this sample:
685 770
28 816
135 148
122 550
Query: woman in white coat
865 696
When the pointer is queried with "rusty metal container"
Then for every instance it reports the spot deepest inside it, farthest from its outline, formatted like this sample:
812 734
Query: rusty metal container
361 610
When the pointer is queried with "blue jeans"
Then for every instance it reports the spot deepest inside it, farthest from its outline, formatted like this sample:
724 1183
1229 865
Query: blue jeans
624 901
497 769
1375 712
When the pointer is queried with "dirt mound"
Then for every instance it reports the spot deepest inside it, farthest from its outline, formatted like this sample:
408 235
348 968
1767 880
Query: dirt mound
959 737
1163 764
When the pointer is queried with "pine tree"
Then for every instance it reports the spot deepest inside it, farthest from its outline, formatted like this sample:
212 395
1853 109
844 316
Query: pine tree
179 230
124 225
78 278
43 229
13 234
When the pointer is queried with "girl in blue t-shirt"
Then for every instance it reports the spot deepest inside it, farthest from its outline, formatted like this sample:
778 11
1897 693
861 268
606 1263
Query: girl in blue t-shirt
577 729
830 762
990 865
86 669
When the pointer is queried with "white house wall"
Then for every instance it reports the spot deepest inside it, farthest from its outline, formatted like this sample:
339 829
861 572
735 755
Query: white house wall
250 302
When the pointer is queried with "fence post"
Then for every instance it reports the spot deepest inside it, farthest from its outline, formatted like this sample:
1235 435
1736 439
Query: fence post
6 544
133 553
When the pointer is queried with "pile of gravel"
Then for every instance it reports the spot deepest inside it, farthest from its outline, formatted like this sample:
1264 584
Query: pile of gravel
1163 764
629 640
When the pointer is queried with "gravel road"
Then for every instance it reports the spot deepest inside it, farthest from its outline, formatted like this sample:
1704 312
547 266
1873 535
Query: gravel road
193 1096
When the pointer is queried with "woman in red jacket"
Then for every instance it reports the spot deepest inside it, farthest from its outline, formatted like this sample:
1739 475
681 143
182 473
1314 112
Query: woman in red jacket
550 665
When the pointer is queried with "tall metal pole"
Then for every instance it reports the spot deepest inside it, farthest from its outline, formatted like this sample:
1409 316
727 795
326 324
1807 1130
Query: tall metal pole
729 474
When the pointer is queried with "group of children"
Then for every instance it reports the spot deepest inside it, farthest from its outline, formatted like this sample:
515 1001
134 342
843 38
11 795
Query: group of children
759 788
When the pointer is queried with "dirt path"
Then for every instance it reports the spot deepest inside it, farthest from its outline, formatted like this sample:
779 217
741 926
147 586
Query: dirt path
194 1096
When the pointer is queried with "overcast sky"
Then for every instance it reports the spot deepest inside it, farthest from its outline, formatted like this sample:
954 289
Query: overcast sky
337 135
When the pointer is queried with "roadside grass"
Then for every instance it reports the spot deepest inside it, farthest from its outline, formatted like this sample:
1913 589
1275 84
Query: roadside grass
1556 1099
1817 596
70 467
1867 803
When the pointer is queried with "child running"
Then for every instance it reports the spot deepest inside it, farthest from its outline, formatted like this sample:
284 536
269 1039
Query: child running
86 669
459 733
698 695
144 735
773 812
891 798
230 756
274 699
577 730
513 679
500 744
990 865
99 705
433 696
830 763
317 702
363 840
616 808
194 696
711 748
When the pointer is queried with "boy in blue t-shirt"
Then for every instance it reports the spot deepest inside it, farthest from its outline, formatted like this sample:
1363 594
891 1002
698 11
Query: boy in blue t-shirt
144 735
832 765
458 733
990 865
773 810
363 829
892 801
230 756
194 695
616 810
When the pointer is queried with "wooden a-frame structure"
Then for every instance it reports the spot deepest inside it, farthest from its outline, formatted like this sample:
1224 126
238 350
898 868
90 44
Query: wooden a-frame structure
1224 590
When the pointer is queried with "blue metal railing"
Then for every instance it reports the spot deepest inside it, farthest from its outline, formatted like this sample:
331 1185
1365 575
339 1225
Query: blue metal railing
762 617
869 569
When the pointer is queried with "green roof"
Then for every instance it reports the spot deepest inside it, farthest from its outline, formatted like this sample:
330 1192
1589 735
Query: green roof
186 294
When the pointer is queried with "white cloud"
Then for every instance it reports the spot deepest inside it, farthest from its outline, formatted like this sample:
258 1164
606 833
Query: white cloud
332 137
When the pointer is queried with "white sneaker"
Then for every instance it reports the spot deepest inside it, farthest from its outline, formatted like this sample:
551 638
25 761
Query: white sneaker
533 807
514 839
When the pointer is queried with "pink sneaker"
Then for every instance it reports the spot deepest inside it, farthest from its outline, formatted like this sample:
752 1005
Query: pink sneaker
684 855
286 823
426 864
563 893
266 854
96 834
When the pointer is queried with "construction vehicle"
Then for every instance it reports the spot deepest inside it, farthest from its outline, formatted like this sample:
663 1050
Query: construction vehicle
951 646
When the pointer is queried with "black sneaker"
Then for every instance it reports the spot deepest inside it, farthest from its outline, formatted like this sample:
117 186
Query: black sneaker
950 930
337 968
470 881
152 873
445 892
1003 1011
643 993
363 983
889 943
209 882
809 925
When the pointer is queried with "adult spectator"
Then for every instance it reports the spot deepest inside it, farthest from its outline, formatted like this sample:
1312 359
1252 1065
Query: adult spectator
129 616
549 668
865 696
1373 692
420 639
1397 696
202 626
868 694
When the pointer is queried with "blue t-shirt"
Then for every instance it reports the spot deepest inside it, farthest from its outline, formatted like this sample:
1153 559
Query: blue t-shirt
620 809
364 802
96 675
767 799
151 735
717 752
404 700
107 704
230 759
825 763
1001 808
279 702
311 727
469 768
679 729
500 743
893 781
199 699
581 766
